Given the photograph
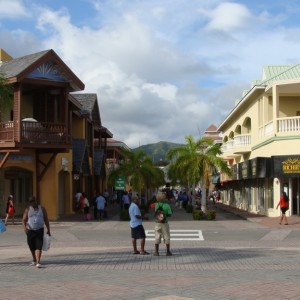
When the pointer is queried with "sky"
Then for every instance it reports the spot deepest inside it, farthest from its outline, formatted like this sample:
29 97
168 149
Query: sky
161 69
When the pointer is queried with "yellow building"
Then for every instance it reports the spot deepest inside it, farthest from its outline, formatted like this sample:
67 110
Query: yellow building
40 125
261 142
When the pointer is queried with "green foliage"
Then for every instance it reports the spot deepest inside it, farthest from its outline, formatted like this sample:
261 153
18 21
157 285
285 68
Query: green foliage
210 214
124 215
189 208
196 160
139 170
6 94
198 214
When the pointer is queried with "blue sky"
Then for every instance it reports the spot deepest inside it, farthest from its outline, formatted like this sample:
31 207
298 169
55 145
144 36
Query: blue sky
162 69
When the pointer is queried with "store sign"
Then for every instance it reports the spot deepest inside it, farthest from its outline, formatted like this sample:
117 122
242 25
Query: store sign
286 166
291 165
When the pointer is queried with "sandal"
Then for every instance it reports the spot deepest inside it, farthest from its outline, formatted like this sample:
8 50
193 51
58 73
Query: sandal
144 253
137 252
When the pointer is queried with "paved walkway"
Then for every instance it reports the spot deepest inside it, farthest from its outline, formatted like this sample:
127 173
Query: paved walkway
250 258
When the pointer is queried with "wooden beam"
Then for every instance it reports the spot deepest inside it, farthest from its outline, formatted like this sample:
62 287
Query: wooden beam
3 161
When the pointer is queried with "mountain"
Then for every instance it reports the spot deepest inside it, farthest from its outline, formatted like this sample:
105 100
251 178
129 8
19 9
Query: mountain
158 150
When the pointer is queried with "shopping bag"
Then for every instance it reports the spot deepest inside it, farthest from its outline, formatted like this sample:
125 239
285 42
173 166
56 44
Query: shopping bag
2 226
46 242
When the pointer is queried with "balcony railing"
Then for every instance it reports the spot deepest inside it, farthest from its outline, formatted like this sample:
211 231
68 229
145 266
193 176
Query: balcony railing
291 124
35 133
284 125
242 140
239 141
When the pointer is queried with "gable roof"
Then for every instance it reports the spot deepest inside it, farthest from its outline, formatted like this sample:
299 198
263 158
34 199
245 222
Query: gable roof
89 102
211 128
17 69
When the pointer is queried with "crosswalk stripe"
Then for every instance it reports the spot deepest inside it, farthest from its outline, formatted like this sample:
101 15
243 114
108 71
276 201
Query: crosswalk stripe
178 235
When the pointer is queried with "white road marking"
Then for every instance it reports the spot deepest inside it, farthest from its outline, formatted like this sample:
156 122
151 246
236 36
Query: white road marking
179 235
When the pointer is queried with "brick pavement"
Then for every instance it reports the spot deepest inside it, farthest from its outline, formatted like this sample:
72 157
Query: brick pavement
93 260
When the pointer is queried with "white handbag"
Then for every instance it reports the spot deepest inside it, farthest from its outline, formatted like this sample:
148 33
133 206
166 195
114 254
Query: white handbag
46 242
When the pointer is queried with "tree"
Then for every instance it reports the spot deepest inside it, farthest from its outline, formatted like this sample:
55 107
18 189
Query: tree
196 161
139 170
6 94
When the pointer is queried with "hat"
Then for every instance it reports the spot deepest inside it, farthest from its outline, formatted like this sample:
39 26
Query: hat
160 196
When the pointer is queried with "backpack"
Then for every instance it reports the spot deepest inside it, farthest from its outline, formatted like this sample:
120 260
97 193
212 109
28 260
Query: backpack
160 215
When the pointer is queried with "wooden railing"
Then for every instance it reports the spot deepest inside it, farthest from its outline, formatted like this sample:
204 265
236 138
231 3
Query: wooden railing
35 133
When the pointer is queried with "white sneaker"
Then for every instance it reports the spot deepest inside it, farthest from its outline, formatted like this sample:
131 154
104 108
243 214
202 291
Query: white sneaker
33 263
38 265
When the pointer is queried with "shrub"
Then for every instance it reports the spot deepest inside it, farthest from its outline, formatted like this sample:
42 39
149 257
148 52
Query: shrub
198 214
124 215
210 214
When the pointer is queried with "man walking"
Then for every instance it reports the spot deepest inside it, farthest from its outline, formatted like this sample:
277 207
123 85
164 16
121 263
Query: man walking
34 219
100 203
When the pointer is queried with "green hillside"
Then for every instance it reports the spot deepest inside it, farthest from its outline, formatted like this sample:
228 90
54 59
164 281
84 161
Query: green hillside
158 150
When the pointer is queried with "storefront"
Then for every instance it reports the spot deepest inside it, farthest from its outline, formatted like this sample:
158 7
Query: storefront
286 171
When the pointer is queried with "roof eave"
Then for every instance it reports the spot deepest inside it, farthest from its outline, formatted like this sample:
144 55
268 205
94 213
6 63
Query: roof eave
242 102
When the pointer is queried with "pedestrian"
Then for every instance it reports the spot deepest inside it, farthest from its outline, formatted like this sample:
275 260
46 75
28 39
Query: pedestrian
10 209
100 204
77 200
137 228
284 206
85 205
125 200
35 217
162 229
106 196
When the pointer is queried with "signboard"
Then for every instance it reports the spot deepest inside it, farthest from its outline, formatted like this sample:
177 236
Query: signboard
120 183
286 165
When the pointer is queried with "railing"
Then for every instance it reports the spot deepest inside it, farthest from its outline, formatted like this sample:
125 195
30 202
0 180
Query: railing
284 125
242 140
227 146
35 133
291 124
266 130
6 131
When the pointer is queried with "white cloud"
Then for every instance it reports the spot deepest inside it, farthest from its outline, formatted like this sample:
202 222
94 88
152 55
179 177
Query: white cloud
12 9
228 16
161 69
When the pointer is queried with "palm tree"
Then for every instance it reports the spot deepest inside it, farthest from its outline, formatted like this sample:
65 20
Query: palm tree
196 161
139 170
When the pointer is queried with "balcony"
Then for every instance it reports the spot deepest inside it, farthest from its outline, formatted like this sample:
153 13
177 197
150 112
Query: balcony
285 127
34 134
242 143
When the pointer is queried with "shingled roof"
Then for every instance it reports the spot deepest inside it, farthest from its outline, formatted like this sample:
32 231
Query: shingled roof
89 102
17 69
